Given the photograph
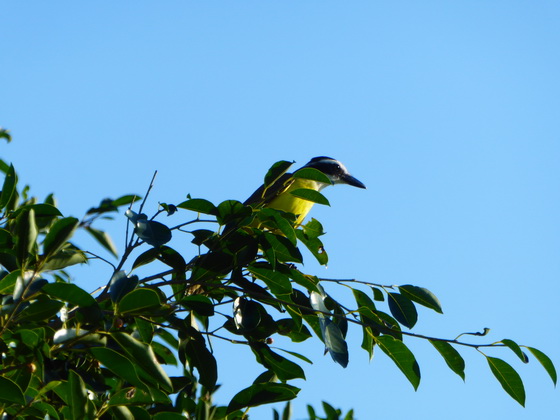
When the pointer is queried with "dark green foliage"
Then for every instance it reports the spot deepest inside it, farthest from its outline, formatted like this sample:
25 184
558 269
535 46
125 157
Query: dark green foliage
74 353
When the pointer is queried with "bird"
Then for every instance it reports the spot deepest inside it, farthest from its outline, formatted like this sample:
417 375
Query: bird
278 195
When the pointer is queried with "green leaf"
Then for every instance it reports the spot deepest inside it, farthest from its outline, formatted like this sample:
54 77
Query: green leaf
451 357
313 175
283 368
145 258
545 361
203 360
78 395
403 309
401 356
310 195
199 205
277 220
275 172
508 378
9 187
262 393
330 411
59 234
230 211
7 284
26 231
104 240
126 200
118 364
378 294
70 293
199 304
315 246
5 134
363 300
422 296
40 310
143 355
168 415
139 300
305 280
11 392
299 356
283 249
136 396
65 258
313 229
516 349
278 282
172 258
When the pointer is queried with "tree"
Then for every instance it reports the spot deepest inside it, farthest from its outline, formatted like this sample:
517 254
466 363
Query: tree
74 353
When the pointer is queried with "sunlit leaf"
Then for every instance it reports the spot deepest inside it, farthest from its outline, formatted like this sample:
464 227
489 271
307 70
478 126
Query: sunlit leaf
139 300
451 357
283 368
313 229
78 395
136 396
284 250
9 187
26 235
310 195
40 310
401 356
69 293
142 355
262 393
276 171
59 234
516 349
199 205
315 246
104 240
313 175
65 258
278 282
125 200
422 296
508 378
545 361
230 211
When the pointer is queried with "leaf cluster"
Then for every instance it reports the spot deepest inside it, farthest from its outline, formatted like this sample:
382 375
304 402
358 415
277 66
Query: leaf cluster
70 353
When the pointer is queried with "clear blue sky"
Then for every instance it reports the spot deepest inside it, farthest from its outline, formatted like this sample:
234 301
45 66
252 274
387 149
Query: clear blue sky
447 111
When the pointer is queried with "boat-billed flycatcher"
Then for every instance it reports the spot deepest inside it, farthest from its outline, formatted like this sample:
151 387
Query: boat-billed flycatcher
277 195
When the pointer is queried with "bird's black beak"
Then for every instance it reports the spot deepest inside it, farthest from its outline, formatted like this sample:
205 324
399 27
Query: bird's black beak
350 180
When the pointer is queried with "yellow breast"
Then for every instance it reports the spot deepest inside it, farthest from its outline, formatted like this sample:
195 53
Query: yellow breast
291 204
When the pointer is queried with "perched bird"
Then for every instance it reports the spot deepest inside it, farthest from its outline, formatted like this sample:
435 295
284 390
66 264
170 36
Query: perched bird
278 195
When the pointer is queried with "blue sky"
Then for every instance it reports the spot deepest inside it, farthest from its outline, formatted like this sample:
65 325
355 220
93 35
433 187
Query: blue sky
447 111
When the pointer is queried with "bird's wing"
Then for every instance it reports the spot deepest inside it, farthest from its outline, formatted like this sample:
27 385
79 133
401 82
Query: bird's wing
262 197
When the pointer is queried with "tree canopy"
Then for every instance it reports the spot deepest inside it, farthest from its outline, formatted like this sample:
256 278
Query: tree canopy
74 353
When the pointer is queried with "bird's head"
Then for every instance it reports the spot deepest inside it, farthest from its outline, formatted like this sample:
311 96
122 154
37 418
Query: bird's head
335 170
